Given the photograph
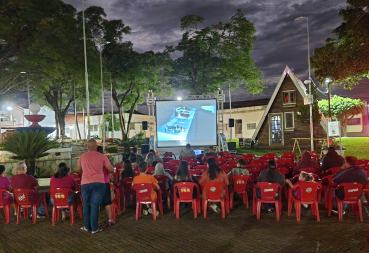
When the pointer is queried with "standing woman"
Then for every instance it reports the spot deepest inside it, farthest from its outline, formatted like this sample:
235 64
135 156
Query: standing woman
107 196
214 174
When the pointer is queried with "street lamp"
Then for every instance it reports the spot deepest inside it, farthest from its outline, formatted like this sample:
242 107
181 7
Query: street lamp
86 72
310 95
179 98
29 99
328 82
112 108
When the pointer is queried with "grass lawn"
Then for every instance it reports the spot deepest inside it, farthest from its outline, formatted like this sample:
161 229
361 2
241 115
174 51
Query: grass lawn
358 147
260 152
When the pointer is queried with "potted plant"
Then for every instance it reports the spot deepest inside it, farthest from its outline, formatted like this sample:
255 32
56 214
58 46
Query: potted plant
28 146
335 144
136 140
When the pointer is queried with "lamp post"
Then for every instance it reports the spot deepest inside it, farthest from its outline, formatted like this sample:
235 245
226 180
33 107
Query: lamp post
328 82
112 108
86 72
310 95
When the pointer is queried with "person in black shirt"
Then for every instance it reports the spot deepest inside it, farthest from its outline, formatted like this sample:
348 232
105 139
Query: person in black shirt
183 175
332 159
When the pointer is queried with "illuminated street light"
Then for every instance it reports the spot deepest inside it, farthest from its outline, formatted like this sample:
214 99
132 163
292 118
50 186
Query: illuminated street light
179 98
9 108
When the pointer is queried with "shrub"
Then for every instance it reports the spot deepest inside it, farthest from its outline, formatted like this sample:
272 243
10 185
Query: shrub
112 149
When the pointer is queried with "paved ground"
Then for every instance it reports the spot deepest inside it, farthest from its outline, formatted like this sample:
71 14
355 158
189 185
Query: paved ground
239 232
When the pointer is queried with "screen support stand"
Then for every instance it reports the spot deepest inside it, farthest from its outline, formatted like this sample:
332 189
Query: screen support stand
150 101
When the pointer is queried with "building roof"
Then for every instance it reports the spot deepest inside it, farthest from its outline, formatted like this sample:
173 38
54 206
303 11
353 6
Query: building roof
300 87
247 103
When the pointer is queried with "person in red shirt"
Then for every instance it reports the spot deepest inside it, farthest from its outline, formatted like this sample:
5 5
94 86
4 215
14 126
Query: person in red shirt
61 179
21 180
93 187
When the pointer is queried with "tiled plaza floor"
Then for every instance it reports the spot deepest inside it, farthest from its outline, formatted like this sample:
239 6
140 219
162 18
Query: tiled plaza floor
239 232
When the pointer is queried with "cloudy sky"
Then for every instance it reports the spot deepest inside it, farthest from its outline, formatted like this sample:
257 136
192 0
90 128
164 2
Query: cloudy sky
280 40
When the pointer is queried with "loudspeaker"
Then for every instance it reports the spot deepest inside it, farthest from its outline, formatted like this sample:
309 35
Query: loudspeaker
145 148
147 140
144 125
231 122
231 146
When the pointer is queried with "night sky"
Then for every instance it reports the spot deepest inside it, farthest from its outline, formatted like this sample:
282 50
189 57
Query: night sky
280 40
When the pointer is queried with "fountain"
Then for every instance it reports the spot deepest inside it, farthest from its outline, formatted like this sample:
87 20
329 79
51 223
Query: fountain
35 118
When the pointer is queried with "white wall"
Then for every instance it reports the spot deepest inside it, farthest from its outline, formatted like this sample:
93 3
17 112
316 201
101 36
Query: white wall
356 128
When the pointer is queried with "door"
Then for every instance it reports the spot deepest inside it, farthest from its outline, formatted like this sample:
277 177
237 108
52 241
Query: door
276 129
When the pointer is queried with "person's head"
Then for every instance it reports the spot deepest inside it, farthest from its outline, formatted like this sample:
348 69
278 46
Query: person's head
305 156
92 145
100 149
331 150
241 163
63 170
149 159
351 160
210 148
2 170
132 158
305 177
21 167
183 173
188 146
152 151
213 168
134 150
127 168
159 169
142 167
271 171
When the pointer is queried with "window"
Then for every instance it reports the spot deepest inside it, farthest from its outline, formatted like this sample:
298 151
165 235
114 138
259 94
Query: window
354 121
238 126
289 121
96 128
289 97
251 126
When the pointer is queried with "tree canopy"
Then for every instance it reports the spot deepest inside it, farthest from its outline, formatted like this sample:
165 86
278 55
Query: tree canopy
216 55
343 109
346 59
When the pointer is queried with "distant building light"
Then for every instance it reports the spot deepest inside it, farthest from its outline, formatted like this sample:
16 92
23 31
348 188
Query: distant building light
179 98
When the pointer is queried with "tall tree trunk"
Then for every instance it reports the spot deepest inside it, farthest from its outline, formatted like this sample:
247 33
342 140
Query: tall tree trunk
77 129
57 126
62 125
131 110
122 124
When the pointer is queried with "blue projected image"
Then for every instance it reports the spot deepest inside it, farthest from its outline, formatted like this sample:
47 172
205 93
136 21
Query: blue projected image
189 121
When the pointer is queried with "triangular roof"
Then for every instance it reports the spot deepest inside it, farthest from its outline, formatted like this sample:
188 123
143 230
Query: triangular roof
300 87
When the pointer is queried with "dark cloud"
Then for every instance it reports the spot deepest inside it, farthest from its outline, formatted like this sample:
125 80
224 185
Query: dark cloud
280 40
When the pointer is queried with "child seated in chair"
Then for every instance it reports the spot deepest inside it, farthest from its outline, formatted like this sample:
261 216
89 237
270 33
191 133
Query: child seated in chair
144 178
240 170
303 177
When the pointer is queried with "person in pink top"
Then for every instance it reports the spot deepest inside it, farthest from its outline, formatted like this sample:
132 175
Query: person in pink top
107 196
6 185
92 185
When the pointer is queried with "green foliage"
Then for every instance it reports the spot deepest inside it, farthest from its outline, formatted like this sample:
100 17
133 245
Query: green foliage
136 140
29 146
260 152
346 59
39 171
216 55
357 147
108 119
112 149
304 110
343 109
111 159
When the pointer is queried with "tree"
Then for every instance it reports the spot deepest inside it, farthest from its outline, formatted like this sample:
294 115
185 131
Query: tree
303 113
216 55
133 74
111 124
343 109
346 59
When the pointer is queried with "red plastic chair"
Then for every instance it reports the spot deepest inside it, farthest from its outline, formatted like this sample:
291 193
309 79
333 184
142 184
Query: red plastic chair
326 184
118 167
232 163
352 196
240 187
115 203
167 159
270 156
126 183
248 157
169 154
185 192
170 172
176 162
192 164
201 167
60 197
77 177
116 178
309 170
223 153
207 157
310 193
6 207
286 163
229 157
254 170
213 192
22 201
162 180
363 162
150 170
220 161
143 196
195 172
227 168
366 168
268 194
333 171
290 155
189 159
284 171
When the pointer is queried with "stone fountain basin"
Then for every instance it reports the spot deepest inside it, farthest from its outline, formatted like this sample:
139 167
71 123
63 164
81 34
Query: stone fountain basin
34 118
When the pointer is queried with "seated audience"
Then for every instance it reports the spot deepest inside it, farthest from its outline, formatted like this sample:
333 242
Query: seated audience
303 177
240 170
156 156
150 160
133 159
332 159
270 175
159 171
5 184
127 170
22 180
61 179
139 158
144 178
183 175
211 152
305 162
350 173
187 152
214 174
